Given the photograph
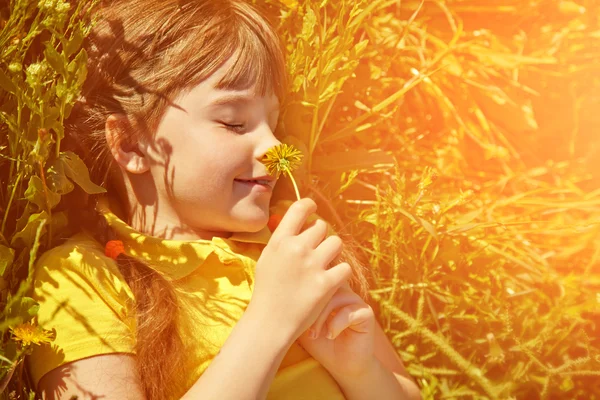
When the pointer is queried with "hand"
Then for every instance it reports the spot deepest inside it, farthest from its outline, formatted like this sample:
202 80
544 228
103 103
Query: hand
352 323
292 282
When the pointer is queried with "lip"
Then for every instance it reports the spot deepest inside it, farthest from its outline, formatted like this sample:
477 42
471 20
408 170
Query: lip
262 178
269 178
258 186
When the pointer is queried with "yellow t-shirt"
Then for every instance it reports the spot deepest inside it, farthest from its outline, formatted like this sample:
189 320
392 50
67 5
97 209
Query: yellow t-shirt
83 295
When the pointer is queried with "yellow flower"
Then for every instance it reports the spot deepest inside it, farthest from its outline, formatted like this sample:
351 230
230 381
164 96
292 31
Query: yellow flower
28 333
283 158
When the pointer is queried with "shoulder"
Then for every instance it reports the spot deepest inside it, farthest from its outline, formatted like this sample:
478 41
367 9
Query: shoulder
78 248
80 253
79 265
83 297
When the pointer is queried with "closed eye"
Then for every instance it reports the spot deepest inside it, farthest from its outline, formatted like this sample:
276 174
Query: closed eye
234 127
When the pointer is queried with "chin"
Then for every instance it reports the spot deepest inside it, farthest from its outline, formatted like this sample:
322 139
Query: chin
256 225
254 220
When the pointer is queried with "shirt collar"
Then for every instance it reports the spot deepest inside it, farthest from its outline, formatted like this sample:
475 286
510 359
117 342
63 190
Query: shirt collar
176 259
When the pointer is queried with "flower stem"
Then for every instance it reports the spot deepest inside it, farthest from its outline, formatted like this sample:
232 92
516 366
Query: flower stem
293 182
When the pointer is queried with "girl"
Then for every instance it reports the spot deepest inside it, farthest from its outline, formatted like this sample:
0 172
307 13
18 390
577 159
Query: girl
175 287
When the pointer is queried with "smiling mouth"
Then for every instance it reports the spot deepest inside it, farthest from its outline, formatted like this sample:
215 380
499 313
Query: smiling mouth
262 182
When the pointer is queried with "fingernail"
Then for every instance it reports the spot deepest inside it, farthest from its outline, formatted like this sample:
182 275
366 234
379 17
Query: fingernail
312 333
330 335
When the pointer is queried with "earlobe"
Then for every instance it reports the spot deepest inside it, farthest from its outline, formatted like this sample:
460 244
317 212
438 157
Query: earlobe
117 132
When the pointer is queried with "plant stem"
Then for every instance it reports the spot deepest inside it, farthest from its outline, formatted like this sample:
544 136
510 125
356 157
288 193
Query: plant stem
293 182
327 202
47 198
10 200
474 373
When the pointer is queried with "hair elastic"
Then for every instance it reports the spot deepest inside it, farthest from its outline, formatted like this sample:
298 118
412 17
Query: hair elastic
274 221
113 248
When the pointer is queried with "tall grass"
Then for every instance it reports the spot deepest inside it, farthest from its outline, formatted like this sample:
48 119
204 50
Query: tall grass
457 141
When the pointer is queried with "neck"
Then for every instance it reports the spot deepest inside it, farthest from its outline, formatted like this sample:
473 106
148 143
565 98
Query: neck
162 222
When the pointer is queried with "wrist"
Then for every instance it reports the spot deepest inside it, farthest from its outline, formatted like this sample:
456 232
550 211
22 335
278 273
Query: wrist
266 325
367 369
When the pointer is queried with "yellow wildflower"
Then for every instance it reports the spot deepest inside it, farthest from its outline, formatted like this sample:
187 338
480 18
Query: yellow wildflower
283 158
29 333
428 177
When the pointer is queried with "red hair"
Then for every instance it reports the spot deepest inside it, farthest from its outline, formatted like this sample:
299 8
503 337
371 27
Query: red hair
142 54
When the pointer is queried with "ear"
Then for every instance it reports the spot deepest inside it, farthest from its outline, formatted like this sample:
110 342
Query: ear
119 137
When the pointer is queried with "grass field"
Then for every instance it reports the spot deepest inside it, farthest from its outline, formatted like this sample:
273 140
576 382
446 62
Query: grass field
457 141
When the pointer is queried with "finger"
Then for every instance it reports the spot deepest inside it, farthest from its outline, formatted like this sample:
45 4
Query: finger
358 316
295 218
338 275
328 250
315 233
340 299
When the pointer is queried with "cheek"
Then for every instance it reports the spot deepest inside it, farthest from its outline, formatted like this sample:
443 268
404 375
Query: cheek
203 159
205 169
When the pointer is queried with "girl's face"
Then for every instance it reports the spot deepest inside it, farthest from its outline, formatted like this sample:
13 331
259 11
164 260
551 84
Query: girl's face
207 141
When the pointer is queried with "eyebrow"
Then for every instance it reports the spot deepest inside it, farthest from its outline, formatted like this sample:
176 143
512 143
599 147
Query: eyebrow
236 100
231 99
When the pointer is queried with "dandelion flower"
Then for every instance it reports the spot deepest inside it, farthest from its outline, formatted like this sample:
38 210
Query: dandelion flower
29 333
283 158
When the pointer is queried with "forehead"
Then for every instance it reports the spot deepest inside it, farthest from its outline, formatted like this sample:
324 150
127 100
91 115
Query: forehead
209 94
242 98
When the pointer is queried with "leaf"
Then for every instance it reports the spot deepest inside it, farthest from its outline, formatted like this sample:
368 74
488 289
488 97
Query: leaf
55 60
51 117
308 24
76 170
26 236
7 256
352 159
74 43
45 199
57 179
41 149
81 67
497 106
429 227
361 106
351 128
346 180
22 220
76 69
463 228
25 309
290 3
6 83
358 49
507 60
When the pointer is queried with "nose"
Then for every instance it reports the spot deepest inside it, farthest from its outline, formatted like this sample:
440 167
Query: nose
266 140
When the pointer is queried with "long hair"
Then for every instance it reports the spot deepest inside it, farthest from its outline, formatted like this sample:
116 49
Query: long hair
141 54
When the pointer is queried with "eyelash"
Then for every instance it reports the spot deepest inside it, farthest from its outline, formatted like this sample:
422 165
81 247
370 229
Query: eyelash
234 128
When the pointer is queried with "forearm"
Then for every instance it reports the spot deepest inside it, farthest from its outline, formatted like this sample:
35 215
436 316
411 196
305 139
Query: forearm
379 383
246 364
